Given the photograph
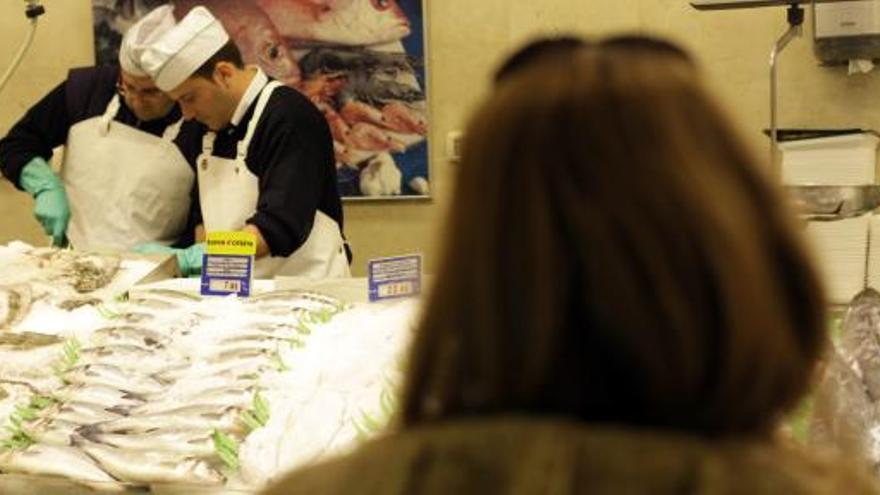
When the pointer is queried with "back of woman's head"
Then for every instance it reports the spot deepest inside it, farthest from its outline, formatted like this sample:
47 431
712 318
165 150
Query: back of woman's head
614 255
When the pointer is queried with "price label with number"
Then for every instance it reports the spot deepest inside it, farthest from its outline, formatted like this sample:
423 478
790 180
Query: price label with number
391 278
227 267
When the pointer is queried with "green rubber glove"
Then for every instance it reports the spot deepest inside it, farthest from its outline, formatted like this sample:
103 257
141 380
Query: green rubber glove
189 259
50 201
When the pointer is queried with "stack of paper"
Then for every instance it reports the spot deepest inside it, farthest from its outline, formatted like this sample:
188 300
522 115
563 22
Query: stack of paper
841 246
847 160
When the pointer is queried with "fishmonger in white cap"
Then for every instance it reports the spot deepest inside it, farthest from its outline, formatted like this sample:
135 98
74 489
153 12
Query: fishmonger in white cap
265 164
123 181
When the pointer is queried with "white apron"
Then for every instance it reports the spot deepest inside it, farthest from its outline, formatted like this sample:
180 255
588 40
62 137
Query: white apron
228 193
125 186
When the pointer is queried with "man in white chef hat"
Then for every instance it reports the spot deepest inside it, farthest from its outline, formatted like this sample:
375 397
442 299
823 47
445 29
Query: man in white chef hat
265 164
123 181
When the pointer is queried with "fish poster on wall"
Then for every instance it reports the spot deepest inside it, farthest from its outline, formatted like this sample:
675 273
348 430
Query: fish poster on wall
361 62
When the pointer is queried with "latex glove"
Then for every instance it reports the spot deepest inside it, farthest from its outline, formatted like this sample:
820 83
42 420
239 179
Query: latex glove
188 259
50 201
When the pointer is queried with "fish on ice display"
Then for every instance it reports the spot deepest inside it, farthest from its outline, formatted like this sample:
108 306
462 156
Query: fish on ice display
221 391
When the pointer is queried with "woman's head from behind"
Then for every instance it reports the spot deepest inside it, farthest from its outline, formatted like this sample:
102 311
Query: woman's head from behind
613 255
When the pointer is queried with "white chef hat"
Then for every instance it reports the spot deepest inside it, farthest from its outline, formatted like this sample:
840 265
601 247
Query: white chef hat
181 50
140 35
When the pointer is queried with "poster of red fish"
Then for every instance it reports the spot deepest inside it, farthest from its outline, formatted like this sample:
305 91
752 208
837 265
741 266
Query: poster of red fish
362 62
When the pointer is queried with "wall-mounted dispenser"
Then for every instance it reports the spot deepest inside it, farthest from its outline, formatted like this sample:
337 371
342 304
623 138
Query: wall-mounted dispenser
845 31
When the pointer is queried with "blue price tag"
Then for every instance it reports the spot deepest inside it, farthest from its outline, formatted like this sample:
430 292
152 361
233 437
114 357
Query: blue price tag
392 278
224 274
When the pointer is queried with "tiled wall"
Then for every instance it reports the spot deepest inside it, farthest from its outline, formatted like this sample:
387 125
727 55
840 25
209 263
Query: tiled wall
466 40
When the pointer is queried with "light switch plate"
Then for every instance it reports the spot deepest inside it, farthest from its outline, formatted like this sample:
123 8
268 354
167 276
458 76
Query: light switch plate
453 145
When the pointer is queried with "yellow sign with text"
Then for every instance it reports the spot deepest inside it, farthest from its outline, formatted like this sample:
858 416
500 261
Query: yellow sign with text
237 243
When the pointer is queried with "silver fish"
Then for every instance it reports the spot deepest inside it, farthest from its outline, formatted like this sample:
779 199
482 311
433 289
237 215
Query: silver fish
235 369
130 335
170 294
149 467
52 460
216 398
226 420
181 442
112 376
82 413
99 394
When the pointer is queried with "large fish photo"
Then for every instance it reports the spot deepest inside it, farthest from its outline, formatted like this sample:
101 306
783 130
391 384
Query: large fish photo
361 62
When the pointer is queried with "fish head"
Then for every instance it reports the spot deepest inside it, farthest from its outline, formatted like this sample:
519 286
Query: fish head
378 21
273 55
259 42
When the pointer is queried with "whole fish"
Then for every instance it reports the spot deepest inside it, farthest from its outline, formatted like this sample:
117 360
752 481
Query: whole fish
214 398
401 117
129 335
254 34
112 376
132 357
148 467
82 413
99 394
52 460
177 441
232 370
296 298
170 294
333 60
152 303
339 22
368 137
378 90
226 420
860 338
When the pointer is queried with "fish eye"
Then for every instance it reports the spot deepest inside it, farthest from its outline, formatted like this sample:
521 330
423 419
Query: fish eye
274 52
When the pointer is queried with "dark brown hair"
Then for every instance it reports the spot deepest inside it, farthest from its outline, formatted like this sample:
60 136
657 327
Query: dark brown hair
227 53
613 254
536 50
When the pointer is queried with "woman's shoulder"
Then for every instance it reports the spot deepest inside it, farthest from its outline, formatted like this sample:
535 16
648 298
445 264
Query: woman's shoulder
514 455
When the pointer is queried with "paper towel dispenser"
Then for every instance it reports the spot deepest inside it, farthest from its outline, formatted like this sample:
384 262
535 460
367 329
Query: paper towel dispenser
845 31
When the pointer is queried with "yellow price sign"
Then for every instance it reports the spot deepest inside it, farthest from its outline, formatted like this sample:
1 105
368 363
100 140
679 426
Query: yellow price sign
236 243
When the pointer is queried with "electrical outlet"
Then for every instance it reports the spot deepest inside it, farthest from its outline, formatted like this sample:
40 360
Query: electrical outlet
453 145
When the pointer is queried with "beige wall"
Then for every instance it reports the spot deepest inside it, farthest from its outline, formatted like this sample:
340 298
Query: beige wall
466 39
